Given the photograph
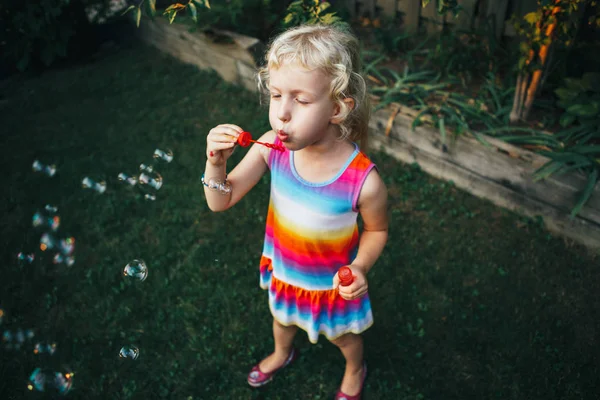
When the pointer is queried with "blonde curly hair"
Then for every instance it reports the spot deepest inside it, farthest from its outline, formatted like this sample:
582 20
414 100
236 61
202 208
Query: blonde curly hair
335 51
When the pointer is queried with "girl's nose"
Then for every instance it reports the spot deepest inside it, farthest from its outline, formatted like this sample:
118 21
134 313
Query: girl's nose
284 111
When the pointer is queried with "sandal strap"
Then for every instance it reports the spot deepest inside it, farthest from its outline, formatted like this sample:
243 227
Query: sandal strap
343 396
258 377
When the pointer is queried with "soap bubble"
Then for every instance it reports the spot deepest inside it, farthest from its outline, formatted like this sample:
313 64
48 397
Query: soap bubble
20 337
137 270
38 380
163 155
25 258
149 179
63 259
44 347
43 379
146 167
150 197
49 170
131 180
63 381
46 218
7 339
15 339
131 352
63 248
66 246
88 183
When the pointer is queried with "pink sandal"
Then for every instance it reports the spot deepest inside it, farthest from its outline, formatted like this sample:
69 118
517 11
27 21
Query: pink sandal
342 396
257 378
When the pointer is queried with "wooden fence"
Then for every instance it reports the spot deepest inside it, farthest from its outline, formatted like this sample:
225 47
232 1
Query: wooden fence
413 17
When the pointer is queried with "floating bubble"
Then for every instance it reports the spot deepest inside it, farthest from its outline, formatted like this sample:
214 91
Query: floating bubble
63 381
88 183
151 179
43 379
47 242
26 258
20 336
44 347
64 246
131 180
63 259
146 167
39 379
49 170
8 338
46 218
130 351
164 155
136 269
14 340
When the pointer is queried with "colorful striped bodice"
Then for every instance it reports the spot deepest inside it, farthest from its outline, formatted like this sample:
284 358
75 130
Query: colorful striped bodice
311 228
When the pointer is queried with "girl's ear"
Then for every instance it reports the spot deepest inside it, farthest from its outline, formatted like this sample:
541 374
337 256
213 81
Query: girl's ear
340 113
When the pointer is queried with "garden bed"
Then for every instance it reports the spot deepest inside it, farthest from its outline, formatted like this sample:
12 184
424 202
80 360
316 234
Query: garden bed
231 55
501 173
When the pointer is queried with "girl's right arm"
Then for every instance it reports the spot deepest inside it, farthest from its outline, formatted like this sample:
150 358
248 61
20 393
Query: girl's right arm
220 143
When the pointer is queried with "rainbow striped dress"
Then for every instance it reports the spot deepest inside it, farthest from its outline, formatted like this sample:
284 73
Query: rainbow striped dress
311 232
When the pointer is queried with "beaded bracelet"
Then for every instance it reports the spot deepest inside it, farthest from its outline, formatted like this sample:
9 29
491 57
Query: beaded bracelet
223 187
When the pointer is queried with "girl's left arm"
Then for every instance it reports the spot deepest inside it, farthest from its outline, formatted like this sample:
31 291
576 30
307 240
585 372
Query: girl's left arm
372 206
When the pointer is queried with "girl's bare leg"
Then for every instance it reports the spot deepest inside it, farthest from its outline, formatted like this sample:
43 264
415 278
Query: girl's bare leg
351 346
284 338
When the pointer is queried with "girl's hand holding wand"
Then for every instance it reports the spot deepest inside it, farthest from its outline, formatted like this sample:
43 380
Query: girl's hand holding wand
220 143
350 290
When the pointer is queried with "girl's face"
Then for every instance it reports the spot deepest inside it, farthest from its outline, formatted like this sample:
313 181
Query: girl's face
301 111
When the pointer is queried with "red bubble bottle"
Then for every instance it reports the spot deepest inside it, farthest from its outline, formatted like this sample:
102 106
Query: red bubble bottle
345 275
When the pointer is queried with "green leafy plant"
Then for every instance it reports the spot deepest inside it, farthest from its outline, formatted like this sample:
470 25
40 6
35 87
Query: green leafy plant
576 148
392 39
39 33
444 6
578 145
439 103
309 12
234 15
554 23
580 98
461 53
149 7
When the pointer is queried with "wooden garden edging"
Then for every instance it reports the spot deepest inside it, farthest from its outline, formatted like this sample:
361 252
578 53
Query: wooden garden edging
233 56
501 173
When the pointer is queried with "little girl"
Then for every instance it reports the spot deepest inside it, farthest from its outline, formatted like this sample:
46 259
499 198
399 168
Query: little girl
319 184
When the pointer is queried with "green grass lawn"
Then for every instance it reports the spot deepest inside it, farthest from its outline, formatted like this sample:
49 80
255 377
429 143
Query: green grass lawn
470 301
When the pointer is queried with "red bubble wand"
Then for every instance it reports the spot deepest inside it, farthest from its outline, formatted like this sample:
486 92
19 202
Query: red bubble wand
245 139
